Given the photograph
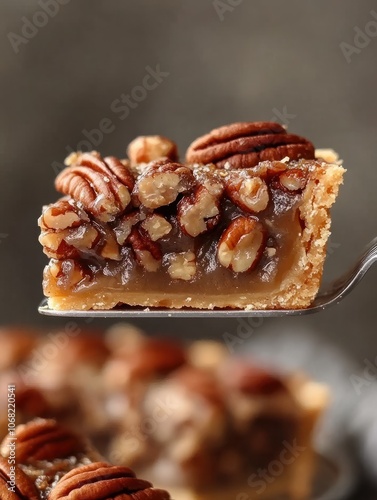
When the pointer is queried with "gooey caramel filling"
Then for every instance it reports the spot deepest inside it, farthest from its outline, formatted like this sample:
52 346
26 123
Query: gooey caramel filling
284 231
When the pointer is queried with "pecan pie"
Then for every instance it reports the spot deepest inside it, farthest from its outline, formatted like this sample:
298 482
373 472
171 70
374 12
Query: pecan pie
242 223
52 463
192 419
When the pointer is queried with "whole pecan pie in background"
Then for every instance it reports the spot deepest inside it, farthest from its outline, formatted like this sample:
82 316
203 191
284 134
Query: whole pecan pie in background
247 212
190 418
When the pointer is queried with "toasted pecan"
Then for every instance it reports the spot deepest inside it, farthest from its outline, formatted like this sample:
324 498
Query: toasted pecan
43 440
102 481
101 185
15 484
243 145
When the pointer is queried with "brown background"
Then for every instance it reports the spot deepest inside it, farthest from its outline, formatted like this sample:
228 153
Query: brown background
264 57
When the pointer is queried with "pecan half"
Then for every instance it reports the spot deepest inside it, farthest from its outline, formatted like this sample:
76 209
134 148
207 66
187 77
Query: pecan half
243 145
147 148
248 193
44 440
101 185
102 481
241 244
161 183
147 252
15 484
198 212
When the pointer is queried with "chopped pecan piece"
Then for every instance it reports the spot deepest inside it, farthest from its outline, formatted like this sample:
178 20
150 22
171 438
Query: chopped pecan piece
147 148
147 252
67 273
241 244
67 230
198 212
248 193
293 180
161 183
63 214
124 225
328 155
267 170
156 226
182 266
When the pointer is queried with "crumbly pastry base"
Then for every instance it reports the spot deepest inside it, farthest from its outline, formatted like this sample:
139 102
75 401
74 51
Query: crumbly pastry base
296 480
296 290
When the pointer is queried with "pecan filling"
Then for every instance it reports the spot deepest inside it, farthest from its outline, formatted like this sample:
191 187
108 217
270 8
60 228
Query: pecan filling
237 217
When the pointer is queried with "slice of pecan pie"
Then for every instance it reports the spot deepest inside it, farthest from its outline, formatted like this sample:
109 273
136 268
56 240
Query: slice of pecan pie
243 223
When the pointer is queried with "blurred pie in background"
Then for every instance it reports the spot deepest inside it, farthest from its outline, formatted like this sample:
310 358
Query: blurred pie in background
188 417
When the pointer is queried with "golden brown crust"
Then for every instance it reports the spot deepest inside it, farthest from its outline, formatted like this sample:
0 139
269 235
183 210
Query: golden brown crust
320 194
